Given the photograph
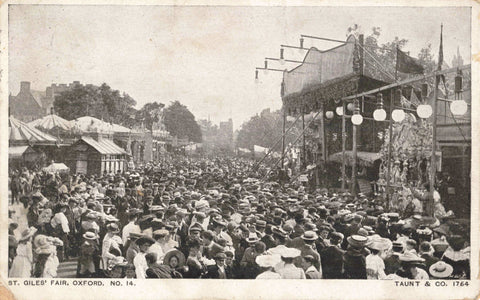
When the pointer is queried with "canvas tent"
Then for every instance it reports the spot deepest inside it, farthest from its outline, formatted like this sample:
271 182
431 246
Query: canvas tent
20 133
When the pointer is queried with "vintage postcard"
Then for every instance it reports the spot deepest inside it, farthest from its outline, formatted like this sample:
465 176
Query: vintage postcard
158 150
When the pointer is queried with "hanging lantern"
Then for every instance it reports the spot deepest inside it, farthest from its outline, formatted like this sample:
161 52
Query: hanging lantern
424 111
339 110
329 114
379 114
357 118
282 59
458 107
350 106
398 115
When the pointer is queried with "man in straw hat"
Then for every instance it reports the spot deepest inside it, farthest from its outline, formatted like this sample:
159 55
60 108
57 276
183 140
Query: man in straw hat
354 259
412 267
440 270
89 247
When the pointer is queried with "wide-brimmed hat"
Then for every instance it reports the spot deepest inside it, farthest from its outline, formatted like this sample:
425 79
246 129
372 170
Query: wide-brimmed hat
357 241
440 269
266 261
90 235
380 244
174 252
309 236
290 252
113 227
160 233
48 249
145 240
411 258
220 255
219 221
27 233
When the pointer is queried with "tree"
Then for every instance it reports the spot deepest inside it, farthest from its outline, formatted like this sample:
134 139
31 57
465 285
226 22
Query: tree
150 114
180 122
100 102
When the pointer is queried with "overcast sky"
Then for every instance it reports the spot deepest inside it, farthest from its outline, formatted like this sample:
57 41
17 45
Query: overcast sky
204 57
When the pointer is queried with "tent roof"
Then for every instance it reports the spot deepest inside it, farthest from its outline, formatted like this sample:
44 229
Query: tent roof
91 124
51 121
54 167
104 146
363 158
17 151
19 131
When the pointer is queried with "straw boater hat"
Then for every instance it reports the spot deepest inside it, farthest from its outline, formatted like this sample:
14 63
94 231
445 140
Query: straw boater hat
252 238
357 241
90 236
267 261
440 269
27 233
380 244
309 236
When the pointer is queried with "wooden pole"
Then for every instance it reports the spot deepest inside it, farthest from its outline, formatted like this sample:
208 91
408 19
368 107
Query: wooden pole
433 161
390 141
283 135
354 156
304 148
323 141
344 136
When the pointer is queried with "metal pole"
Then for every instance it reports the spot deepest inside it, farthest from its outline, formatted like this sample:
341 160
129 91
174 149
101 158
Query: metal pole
433 161
344 136
283 134
354 154
390 141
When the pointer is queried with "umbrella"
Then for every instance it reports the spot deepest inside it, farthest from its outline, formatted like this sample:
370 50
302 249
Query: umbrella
51 121
22 133
57 167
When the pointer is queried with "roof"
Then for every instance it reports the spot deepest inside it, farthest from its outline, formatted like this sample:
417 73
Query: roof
104 146
19 131
17 151
91 124
38 96
56 167
363 158
51 121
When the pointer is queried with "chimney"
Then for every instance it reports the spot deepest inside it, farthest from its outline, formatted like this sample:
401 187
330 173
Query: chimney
25 86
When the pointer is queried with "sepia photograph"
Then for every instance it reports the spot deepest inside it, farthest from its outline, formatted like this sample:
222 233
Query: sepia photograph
238 143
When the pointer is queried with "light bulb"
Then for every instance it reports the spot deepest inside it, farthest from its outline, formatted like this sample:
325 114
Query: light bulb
398 115
380 114
339 110
329 114
458 107
350 106
357 119
424 111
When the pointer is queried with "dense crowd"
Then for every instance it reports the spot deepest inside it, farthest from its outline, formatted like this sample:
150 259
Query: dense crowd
224 218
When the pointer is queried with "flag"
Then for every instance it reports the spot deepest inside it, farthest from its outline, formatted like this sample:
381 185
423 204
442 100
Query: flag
408 64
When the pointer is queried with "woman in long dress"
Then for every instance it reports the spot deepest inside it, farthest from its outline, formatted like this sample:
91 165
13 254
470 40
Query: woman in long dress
22 263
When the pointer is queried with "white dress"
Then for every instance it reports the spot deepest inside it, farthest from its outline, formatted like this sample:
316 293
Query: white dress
22 263
375 267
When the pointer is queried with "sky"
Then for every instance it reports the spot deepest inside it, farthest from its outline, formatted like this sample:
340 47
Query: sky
204 57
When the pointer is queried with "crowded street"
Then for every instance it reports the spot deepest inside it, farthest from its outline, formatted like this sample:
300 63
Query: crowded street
187 217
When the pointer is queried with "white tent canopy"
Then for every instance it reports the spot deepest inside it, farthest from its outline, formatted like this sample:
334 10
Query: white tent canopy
51 121
91 124
20 132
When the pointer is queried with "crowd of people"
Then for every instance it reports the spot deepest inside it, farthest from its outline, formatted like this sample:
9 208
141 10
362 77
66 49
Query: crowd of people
223 218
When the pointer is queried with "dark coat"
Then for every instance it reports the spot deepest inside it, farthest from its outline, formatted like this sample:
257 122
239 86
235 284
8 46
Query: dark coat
332 262
213 272
354 264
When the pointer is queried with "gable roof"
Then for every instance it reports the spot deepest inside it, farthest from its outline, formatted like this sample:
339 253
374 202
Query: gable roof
103 146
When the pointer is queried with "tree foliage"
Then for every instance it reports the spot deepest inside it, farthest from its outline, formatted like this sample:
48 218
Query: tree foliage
100 102
150 114
180 122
